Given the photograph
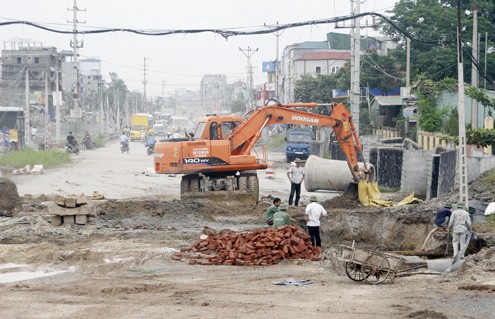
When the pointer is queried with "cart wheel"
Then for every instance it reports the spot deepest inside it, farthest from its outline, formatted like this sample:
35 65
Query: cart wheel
376 269
354 272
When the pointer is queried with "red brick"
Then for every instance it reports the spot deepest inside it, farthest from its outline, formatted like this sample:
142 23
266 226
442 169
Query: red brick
240 262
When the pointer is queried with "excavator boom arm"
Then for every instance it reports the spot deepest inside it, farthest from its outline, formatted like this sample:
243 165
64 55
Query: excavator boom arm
244 137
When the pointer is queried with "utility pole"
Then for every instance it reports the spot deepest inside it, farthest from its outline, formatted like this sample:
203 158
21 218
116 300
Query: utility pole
57 108
75 44
486 52
474 69
248 53
408 62
145 80
47 116
27 111
277 34
355 93
462 159
102 117
117 121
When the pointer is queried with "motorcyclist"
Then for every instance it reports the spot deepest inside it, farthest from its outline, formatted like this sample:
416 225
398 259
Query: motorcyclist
87 139
124 139
71 140
150 140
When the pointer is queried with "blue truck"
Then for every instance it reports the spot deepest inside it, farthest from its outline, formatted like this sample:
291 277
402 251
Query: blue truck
297 143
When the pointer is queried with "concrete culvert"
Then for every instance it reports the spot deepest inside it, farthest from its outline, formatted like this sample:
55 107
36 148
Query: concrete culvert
325 174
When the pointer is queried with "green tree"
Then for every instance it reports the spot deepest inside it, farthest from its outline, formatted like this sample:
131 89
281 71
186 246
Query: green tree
382 72
315 89
437 20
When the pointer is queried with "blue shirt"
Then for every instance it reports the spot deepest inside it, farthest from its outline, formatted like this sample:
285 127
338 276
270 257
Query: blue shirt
440 218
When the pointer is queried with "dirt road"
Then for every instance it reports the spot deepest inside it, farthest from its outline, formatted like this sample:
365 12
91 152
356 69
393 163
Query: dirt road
119 264
119 176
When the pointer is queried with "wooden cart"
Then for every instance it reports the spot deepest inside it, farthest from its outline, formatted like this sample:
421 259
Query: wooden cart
372 266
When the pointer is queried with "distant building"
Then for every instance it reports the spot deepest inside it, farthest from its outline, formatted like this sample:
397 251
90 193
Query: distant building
90 79
322 57
39 60
213 93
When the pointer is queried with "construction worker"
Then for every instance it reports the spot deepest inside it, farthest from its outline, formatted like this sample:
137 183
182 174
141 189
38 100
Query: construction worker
313 214
272 210
443 216
296 177
281 217
460 225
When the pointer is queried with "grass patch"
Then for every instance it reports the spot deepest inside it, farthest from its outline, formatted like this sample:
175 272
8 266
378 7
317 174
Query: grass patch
49 158
99 140
276 141
388 189
486 227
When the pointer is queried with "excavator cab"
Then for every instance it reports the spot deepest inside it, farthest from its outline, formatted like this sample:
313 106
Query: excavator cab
206 162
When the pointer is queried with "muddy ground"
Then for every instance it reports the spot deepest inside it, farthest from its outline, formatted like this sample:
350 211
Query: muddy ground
119 266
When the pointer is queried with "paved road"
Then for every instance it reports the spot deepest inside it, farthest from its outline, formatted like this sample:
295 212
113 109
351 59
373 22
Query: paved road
119 176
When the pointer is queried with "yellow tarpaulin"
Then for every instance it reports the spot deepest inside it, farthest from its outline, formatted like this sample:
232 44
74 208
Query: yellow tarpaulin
369 195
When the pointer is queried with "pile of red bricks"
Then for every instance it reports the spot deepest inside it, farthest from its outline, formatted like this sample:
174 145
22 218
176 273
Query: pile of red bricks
258 248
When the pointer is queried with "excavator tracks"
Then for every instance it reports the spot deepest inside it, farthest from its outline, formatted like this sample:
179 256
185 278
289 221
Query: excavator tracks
243 188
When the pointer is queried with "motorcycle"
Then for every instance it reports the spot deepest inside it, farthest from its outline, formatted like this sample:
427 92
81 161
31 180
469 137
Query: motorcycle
88 144
72 149
124 147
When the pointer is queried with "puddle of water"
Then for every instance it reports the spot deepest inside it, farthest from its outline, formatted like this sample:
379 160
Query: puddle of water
26 274
12 265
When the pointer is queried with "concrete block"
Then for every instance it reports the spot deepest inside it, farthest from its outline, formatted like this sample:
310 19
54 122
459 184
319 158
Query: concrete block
81 219
70 202
59 200
54 209
81 200
69 219
56 220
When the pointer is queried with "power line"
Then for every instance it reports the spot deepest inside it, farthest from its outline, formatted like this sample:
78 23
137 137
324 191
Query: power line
228 32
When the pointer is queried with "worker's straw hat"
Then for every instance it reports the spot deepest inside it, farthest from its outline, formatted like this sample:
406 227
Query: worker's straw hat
298 160
448 205
283 206
313 198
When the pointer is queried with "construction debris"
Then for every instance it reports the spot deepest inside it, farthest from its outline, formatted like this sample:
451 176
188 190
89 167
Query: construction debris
37 170
261 247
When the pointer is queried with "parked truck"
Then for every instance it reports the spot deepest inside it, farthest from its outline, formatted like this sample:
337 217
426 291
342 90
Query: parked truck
298 141
141 124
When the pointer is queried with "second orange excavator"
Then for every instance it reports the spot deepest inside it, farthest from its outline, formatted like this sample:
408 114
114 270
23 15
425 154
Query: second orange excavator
220 162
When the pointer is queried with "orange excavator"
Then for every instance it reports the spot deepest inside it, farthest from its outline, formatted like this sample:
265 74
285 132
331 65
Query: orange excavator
218 163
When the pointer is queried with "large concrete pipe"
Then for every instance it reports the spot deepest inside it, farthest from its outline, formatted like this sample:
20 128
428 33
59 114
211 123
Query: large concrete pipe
328 174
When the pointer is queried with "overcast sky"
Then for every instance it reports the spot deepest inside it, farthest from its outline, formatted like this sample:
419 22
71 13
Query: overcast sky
179 60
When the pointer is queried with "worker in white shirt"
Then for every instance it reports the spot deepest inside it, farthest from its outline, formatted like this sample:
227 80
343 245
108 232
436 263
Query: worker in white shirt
313 214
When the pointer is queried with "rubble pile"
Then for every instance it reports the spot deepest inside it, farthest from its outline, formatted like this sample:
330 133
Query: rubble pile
478 265
261 247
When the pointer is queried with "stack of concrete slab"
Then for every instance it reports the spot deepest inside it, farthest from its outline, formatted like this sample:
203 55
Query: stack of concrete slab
70 210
